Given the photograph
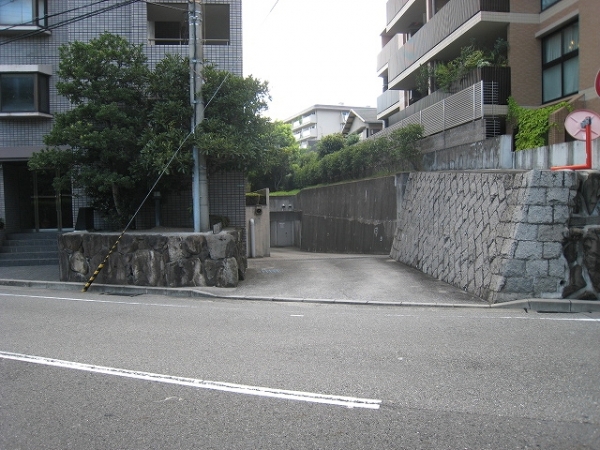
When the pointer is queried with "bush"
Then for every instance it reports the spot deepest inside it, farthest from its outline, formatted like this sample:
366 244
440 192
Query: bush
396 152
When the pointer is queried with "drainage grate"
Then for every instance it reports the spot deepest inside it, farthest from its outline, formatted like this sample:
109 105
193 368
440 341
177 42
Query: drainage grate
270 270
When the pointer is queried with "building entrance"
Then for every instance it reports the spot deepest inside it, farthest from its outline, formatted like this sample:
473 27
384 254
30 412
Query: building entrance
31 201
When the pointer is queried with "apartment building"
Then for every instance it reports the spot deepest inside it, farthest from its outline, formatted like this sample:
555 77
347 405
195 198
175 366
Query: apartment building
362 122
552 54
31 32
310 125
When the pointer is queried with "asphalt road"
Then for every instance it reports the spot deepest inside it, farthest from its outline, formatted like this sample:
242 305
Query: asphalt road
108 372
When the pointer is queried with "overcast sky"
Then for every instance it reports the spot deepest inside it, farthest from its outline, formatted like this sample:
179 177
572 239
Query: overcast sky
314 51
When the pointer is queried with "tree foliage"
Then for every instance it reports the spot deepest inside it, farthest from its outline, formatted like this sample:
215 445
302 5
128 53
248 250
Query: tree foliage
127 122
282 152
395 152
233 132
105 80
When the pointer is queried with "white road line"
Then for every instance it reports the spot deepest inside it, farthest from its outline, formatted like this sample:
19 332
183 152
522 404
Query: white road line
348 402
87 300
555 319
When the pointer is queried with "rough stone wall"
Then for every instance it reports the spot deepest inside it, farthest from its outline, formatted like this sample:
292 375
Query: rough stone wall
152 259
582 245
495 234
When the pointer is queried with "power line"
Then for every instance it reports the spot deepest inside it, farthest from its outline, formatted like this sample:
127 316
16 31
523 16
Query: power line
70 20
47 16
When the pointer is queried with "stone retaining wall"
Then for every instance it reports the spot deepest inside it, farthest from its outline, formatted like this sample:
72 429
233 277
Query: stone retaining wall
498 235
582 245
155 259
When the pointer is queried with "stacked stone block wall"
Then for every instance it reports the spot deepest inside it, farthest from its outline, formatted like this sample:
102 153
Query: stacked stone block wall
495 234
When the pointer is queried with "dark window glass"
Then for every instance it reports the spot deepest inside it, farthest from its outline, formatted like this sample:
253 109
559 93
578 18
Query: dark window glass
560 63
216 26
548 3
24 93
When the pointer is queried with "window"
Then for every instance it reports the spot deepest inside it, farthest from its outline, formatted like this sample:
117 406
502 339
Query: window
168 24
548 3
560 63
24 93
216 24
23 12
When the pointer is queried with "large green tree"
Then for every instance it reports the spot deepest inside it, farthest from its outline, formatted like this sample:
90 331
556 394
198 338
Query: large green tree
282 151
98 141
128 122
233 133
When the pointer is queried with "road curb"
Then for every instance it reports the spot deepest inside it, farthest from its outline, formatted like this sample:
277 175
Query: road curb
532 304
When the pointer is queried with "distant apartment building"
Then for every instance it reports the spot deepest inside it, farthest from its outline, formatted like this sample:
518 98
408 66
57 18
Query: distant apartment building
311 124
31 32
553 54
362 122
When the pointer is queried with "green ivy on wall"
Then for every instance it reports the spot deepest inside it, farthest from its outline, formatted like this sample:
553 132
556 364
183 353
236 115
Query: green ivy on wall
532 124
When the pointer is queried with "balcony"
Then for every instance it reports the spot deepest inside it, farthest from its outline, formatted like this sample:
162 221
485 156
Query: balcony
405 16
499 77
473 103
389 99
304 122
388 51
438 32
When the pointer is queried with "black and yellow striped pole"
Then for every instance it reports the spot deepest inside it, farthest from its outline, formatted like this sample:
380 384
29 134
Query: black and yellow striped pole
103 263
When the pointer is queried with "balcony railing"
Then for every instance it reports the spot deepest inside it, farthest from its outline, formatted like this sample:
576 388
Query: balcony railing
393 7
388 51
444 23
463 107
388 99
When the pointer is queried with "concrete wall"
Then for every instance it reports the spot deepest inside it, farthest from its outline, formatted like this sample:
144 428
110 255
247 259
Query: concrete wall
496 153
354 217
262 231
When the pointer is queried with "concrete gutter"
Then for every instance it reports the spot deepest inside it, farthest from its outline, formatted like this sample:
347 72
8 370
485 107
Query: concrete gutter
532 304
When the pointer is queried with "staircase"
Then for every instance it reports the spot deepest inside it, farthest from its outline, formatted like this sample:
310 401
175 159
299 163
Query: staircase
29 249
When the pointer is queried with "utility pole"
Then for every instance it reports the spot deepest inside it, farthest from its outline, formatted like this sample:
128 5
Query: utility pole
200 181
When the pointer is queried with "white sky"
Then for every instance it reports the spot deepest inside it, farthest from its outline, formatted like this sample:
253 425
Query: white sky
314 51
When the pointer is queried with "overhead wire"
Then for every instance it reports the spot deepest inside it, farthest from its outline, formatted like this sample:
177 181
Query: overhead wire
48 16
70 20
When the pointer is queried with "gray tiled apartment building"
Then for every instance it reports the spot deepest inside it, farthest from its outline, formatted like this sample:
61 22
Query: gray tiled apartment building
31 32
553 55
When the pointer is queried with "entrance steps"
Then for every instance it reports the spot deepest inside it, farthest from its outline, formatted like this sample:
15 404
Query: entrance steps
29 249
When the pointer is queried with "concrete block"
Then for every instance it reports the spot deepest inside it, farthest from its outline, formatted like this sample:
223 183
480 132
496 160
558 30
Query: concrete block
528 232
558 268
561 214
536 268
552 250
540 214
585 305
528 250
535 196
558 196
551 233
550 305
518 285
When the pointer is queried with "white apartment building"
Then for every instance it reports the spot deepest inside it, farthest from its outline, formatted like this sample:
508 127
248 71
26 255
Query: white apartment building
311 124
